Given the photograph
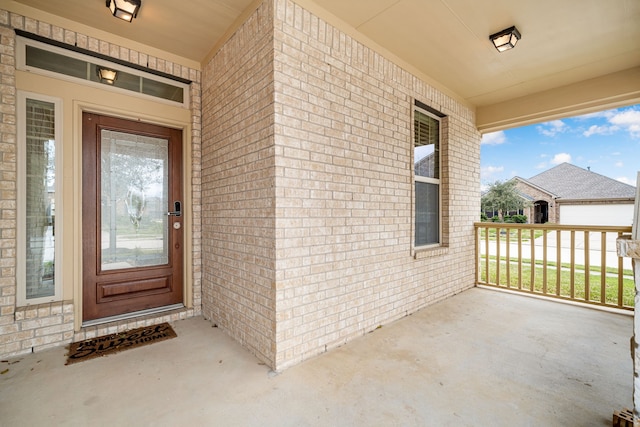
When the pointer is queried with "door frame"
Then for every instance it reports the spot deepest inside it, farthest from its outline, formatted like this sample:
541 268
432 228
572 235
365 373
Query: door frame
77 246
113 293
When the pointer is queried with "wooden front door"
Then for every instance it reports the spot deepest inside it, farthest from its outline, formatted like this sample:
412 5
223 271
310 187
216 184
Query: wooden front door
132 210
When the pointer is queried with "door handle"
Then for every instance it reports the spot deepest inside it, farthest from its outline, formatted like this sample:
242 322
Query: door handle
177 211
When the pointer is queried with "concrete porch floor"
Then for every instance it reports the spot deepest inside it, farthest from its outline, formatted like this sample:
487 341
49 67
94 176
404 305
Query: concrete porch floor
481 358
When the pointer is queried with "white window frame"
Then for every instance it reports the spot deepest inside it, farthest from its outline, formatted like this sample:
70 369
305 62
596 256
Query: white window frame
21 64
427 180
22 199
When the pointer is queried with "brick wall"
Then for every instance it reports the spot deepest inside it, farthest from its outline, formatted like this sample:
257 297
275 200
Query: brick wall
238 191
344 189
307 202
304 172
537 194
9 338
33 328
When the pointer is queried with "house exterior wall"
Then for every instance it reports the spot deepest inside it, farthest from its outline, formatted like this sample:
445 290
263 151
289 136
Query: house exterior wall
344 189
307 188
26 329
238 186
306 184
597 213
575 212
537 194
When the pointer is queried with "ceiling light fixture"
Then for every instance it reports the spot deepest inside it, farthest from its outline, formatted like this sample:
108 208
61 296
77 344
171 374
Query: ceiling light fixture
505 39
124 9
106 75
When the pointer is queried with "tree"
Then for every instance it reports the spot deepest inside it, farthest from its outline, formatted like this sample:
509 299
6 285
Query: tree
502 197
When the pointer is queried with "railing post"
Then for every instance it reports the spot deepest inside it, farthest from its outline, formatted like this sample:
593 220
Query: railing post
568 277
629 246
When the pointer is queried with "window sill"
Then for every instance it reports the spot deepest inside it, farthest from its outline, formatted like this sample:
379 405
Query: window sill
429 252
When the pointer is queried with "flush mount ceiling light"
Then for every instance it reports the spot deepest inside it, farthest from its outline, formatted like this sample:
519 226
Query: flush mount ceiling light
106 75
505 39
124 9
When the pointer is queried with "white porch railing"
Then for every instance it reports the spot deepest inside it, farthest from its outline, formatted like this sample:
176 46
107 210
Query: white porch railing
577 263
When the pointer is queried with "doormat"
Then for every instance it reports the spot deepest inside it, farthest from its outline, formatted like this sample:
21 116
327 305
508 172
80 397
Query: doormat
109 344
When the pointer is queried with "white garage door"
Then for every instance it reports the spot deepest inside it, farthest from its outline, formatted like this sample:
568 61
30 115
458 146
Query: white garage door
596 214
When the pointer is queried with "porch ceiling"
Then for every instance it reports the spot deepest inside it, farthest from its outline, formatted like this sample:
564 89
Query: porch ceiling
569 48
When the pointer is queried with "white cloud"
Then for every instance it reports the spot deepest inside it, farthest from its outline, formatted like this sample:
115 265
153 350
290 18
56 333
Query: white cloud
488 173
600 114
600 130
552 128
626 180
561 158
494 138
490 170
619 164
628 120
542 165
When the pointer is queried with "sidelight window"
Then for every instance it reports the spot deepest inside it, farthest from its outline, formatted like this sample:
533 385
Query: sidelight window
39 198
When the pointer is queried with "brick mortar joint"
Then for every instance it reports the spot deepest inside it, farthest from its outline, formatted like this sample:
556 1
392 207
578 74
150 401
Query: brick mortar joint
46 305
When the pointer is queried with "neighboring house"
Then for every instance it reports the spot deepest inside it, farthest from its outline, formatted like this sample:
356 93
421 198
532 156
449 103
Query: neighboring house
253 161
568 194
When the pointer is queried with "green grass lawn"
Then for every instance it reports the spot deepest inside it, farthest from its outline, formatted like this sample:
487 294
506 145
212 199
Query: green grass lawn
513 234
578 290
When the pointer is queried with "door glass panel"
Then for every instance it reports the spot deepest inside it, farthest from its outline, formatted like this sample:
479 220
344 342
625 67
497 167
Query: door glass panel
134 181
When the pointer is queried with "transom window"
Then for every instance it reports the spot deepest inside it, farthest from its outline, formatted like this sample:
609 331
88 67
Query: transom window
55 61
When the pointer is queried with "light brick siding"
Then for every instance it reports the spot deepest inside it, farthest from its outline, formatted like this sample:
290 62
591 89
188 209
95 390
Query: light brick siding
32 328
307 202
238 186
538 195
302 190
344 189
10 333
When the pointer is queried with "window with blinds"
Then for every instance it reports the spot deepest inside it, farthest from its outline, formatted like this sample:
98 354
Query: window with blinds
426 145
427 177
38 146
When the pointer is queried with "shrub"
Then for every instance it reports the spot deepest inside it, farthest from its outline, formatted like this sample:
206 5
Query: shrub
519 219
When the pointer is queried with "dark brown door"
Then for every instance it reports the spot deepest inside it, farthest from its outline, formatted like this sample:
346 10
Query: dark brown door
132 214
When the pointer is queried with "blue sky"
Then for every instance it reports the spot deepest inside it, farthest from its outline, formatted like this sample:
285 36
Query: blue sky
608 142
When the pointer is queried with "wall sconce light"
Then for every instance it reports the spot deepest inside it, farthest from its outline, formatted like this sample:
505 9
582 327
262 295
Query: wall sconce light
505 39
124 9
106 75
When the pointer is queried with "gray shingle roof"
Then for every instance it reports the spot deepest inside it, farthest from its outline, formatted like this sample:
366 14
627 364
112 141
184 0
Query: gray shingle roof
572 182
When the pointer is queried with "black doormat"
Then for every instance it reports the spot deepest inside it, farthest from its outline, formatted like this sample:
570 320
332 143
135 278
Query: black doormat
108 344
